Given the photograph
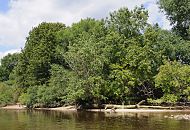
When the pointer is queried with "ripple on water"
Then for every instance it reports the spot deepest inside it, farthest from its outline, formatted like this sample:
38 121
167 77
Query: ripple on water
52 120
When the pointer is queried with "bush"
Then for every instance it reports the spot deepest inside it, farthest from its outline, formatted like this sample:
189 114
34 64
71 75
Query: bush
155 101
30 97
6 94
48 96
170 98
167 98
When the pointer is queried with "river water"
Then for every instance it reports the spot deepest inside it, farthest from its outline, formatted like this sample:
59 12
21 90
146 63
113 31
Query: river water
54 120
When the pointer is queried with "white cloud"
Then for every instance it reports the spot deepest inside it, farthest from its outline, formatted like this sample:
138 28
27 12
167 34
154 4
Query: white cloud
155 16
25 14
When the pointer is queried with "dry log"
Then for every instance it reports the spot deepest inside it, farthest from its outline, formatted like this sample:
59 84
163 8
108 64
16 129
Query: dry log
138 105
112 106
156 107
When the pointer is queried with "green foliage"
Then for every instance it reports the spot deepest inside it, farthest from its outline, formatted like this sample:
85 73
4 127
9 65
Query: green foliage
38 55
155 102
170 98
30 97
122 82
137 63
167 98
86 59
116 60
129 23
48 96
178 12
173 78
63 87
6 94
187 92
7 65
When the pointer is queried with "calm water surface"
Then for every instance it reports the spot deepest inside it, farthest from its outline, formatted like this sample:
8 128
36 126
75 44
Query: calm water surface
53 120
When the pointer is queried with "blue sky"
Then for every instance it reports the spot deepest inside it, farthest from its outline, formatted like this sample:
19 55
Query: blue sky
4 5
17 17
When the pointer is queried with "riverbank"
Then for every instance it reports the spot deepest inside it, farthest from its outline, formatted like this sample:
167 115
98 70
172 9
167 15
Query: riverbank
14 107
23 107
72 108
64 109
136 110
67 108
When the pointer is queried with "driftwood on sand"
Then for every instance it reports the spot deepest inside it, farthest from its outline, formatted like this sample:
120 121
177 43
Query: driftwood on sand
138 105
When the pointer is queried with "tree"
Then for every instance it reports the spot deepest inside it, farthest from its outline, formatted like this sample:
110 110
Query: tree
129 23
63 88
173 79
7 65
65 85
30 97
39 53
120 59
86 57
6 94
178 12
135 63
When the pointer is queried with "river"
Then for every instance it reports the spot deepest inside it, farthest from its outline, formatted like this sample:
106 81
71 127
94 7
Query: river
54 120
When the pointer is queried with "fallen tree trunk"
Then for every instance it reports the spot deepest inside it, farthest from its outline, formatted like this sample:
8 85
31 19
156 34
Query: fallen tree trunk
156 107
138 105
112 106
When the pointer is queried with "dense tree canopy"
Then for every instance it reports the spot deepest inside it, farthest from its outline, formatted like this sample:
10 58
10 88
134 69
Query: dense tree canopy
7 65
38 55
119 59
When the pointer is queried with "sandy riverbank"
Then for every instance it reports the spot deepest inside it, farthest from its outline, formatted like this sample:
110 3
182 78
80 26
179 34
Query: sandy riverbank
72 108
136 110
22 107
68 108
14 107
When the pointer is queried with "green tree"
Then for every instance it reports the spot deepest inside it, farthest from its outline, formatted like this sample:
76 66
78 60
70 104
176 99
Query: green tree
178 12
173 79
6 94
125 29
39 53
29 98
119 59
87 26
7 65
86 57
66 85
129 23
63 88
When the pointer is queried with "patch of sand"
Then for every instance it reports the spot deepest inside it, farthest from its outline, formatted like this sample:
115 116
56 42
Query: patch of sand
136 110
72 108
14 107
68 108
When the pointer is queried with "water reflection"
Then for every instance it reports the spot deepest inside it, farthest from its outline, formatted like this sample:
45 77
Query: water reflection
54 120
